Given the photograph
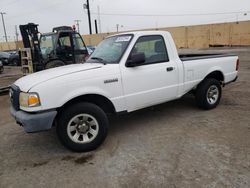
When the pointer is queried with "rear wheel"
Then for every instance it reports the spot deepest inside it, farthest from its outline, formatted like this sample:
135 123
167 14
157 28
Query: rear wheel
54 63
208 93
82 127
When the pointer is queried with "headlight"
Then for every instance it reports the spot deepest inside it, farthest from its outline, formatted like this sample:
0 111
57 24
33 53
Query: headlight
29 99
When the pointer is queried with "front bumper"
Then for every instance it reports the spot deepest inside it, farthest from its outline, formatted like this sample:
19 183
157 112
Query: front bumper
34 122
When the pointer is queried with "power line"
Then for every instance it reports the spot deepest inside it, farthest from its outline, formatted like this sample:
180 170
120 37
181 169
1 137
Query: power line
227 19
165 15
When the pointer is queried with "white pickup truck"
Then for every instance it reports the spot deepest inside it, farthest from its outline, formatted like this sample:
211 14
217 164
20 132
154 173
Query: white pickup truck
125 73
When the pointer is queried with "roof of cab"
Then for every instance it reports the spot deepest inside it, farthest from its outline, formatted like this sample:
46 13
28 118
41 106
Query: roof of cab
141 33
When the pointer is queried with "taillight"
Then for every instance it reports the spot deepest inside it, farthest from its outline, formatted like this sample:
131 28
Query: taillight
237 64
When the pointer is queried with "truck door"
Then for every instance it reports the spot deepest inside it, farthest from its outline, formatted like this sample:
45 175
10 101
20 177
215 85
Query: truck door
80 50
154 81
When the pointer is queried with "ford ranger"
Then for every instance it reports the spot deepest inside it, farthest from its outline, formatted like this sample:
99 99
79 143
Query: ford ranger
126 72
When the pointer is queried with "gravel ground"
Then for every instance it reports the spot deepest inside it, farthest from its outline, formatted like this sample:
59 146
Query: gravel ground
9 75
169 145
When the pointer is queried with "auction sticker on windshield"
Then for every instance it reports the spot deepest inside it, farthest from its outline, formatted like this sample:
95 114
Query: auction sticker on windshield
123 39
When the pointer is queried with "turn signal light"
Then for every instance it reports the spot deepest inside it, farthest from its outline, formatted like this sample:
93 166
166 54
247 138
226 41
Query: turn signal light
33 100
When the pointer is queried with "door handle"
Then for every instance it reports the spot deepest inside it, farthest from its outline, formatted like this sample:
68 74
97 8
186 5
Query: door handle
170 69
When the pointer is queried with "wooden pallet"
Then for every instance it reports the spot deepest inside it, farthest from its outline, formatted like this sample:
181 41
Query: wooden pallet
26 61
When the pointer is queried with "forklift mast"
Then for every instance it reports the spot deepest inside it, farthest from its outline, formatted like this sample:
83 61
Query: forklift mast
30 38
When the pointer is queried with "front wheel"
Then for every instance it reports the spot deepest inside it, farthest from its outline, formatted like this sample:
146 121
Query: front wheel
82 127
54 63
208 94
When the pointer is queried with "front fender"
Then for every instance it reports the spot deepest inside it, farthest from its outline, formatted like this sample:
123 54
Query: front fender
83 91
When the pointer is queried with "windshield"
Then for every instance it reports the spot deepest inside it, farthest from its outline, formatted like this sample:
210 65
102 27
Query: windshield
47 44
111 49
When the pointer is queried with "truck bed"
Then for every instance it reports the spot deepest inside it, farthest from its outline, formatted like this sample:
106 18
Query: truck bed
191 56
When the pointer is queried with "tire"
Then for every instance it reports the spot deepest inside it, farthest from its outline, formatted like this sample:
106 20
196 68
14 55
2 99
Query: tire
208 94
80 119
54 63
15 62
1 70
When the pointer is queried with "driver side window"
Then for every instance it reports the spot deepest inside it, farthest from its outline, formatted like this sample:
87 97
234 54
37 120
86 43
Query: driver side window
65 41
153 47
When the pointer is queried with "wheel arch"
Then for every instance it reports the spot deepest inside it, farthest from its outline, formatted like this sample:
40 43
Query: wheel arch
103 102
216 74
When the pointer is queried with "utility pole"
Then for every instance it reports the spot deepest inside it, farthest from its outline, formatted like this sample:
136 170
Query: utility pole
99 19
77 24
16 32
96 29
237 18
86 6
117 28
5 34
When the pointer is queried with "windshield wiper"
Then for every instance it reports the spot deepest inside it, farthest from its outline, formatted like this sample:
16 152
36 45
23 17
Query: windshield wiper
99 60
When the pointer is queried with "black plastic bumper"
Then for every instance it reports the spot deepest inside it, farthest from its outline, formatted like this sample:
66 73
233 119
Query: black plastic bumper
34 122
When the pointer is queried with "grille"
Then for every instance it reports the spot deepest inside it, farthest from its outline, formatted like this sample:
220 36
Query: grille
14 96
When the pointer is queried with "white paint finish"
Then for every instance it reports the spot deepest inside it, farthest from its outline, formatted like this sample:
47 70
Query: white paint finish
27 82
149 84
201 68
136 88
59 90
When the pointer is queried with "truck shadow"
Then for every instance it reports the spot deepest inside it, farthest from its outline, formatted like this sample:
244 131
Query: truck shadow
47 145
179 107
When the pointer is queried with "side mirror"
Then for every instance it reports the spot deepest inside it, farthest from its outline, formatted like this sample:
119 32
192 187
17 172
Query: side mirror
136 59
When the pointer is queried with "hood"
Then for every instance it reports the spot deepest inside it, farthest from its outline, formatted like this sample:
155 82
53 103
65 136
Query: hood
27 82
